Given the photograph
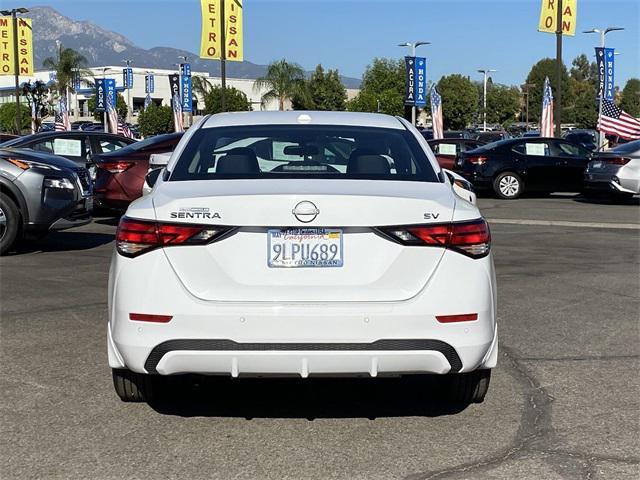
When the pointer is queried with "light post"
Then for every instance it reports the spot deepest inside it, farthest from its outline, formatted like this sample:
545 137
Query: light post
484 72
16 61
129 107
413 47
602 33
525 89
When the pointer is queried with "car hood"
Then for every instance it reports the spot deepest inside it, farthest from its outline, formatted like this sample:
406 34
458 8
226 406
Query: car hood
46 158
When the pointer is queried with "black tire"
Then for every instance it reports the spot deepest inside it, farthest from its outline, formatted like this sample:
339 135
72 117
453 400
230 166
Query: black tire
9 223
508 185
467 388
133 387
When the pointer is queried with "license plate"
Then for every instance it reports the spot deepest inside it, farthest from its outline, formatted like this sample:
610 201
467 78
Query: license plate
304 247
596 165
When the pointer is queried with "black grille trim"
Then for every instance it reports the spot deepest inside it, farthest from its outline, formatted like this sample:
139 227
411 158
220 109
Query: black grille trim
229 345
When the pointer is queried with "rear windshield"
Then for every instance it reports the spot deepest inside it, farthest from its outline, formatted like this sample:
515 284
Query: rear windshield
303 151
148 142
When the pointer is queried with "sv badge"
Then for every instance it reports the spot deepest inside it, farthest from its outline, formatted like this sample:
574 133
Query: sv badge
431 216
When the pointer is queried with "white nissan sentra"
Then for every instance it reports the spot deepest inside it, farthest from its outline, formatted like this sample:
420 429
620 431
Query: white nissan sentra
302 243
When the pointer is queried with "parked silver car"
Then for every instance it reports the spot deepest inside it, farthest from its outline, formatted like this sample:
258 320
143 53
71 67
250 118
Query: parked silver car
615 172
40 192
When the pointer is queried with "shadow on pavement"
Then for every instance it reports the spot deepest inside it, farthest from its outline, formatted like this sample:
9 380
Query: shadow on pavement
64 241
608 200
309 398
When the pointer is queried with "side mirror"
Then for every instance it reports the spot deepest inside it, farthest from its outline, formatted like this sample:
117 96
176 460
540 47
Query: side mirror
152 178
461 186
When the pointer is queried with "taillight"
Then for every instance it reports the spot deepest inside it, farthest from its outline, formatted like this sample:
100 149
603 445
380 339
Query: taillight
477 160
469 238
135 237
617 160
115 167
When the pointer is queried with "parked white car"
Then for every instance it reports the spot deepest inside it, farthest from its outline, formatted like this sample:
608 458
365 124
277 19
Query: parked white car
615 172
302 243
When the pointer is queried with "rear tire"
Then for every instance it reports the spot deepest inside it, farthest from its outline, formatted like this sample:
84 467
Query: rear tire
133 387
467 388
9 223
508 186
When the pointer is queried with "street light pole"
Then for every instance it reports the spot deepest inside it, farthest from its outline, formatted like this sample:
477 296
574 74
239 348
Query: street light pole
602 33
525 88
413 47
16 61
484 73
558 102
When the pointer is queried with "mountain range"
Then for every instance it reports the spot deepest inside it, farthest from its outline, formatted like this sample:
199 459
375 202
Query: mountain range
104 47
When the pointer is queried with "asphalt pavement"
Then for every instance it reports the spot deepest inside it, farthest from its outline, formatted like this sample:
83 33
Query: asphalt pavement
564 401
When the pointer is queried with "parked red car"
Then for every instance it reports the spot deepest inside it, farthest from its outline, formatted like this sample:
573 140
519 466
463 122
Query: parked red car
446 149
120 174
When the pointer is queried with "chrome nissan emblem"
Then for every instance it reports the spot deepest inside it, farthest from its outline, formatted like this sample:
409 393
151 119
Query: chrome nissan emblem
305 211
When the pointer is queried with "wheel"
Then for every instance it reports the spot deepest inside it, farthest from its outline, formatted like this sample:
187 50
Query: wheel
508 185
466 388
133 387
9 223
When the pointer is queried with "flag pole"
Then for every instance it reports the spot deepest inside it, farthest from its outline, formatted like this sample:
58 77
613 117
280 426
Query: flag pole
558 100
223 55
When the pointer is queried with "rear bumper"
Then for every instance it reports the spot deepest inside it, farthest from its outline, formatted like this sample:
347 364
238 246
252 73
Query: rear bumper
320 338
605 183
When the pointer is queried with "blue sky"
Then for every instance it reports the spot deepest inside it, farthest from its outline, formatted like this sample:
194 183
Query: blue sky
347 34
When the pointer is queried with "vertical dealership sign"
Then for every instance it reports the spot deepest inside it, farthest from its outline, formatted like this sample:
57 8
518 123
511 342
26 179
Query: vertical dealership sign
110 96
185 80
549 16
212 24
149 83
421 81
127 77
25 46
410 82
174 85
605 64
100 95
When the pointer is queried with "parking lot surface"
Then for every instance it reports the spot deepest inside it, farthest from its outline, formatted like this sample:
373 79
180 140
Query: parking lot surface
564 400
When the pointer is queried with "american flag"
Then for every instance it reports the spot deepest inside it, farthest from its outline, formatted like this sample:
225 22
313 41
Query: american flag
112 115
123 129
546 120
616 121
177 113
34 127
147 101
436 113
62 123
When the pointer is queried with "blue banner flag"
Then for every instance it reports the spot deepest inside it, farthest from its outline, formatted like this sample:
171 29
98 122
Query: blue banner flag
127 77
100 96
410 82
110 95
605 87
421 81
187 100
185 69
148 83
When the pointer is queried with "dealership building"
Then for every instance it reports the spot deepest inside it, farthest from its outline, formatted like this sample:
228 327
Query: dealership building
135 96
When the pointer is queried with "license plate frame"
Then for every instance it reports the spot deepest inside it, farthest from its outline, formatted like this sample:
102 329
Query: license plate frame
336 261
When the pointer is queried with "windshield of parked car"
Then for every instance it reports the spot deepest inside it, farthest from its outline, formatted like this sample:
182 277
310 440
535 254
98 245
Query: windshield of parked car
303 151
581 137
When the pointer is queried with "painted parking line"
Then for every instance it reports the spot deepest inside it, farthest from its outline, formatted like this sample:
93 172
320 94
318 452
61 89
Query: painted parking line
560 223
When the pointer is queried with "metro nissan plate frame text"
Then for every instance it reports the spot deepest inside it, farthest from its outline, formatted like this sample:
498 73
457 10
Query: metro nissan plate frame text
269 230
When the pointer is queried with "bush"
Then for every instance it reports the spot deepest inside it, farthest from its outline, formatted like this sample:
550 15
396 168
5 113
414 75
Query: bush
8 117
155 120
234 99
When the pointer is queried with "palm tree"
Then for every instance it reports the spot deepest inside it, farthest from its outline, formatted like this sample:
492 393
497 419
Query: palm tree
200 86
283 81
67 64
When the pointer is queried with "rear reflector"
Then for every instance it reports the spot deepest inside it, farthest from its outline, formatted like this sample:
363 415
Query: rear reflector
469 238
135 237
145 317
465 317
477 160
115 167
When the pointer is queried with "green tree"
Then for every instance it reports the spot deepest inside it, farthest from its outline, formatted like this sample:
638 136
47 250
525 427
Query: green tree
584 110
200 85
323 91
583 71
155 120
630 101
547 68
503 104
121 108
283 81
459 101
8 117
67 64
36 94
382 88
235 100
